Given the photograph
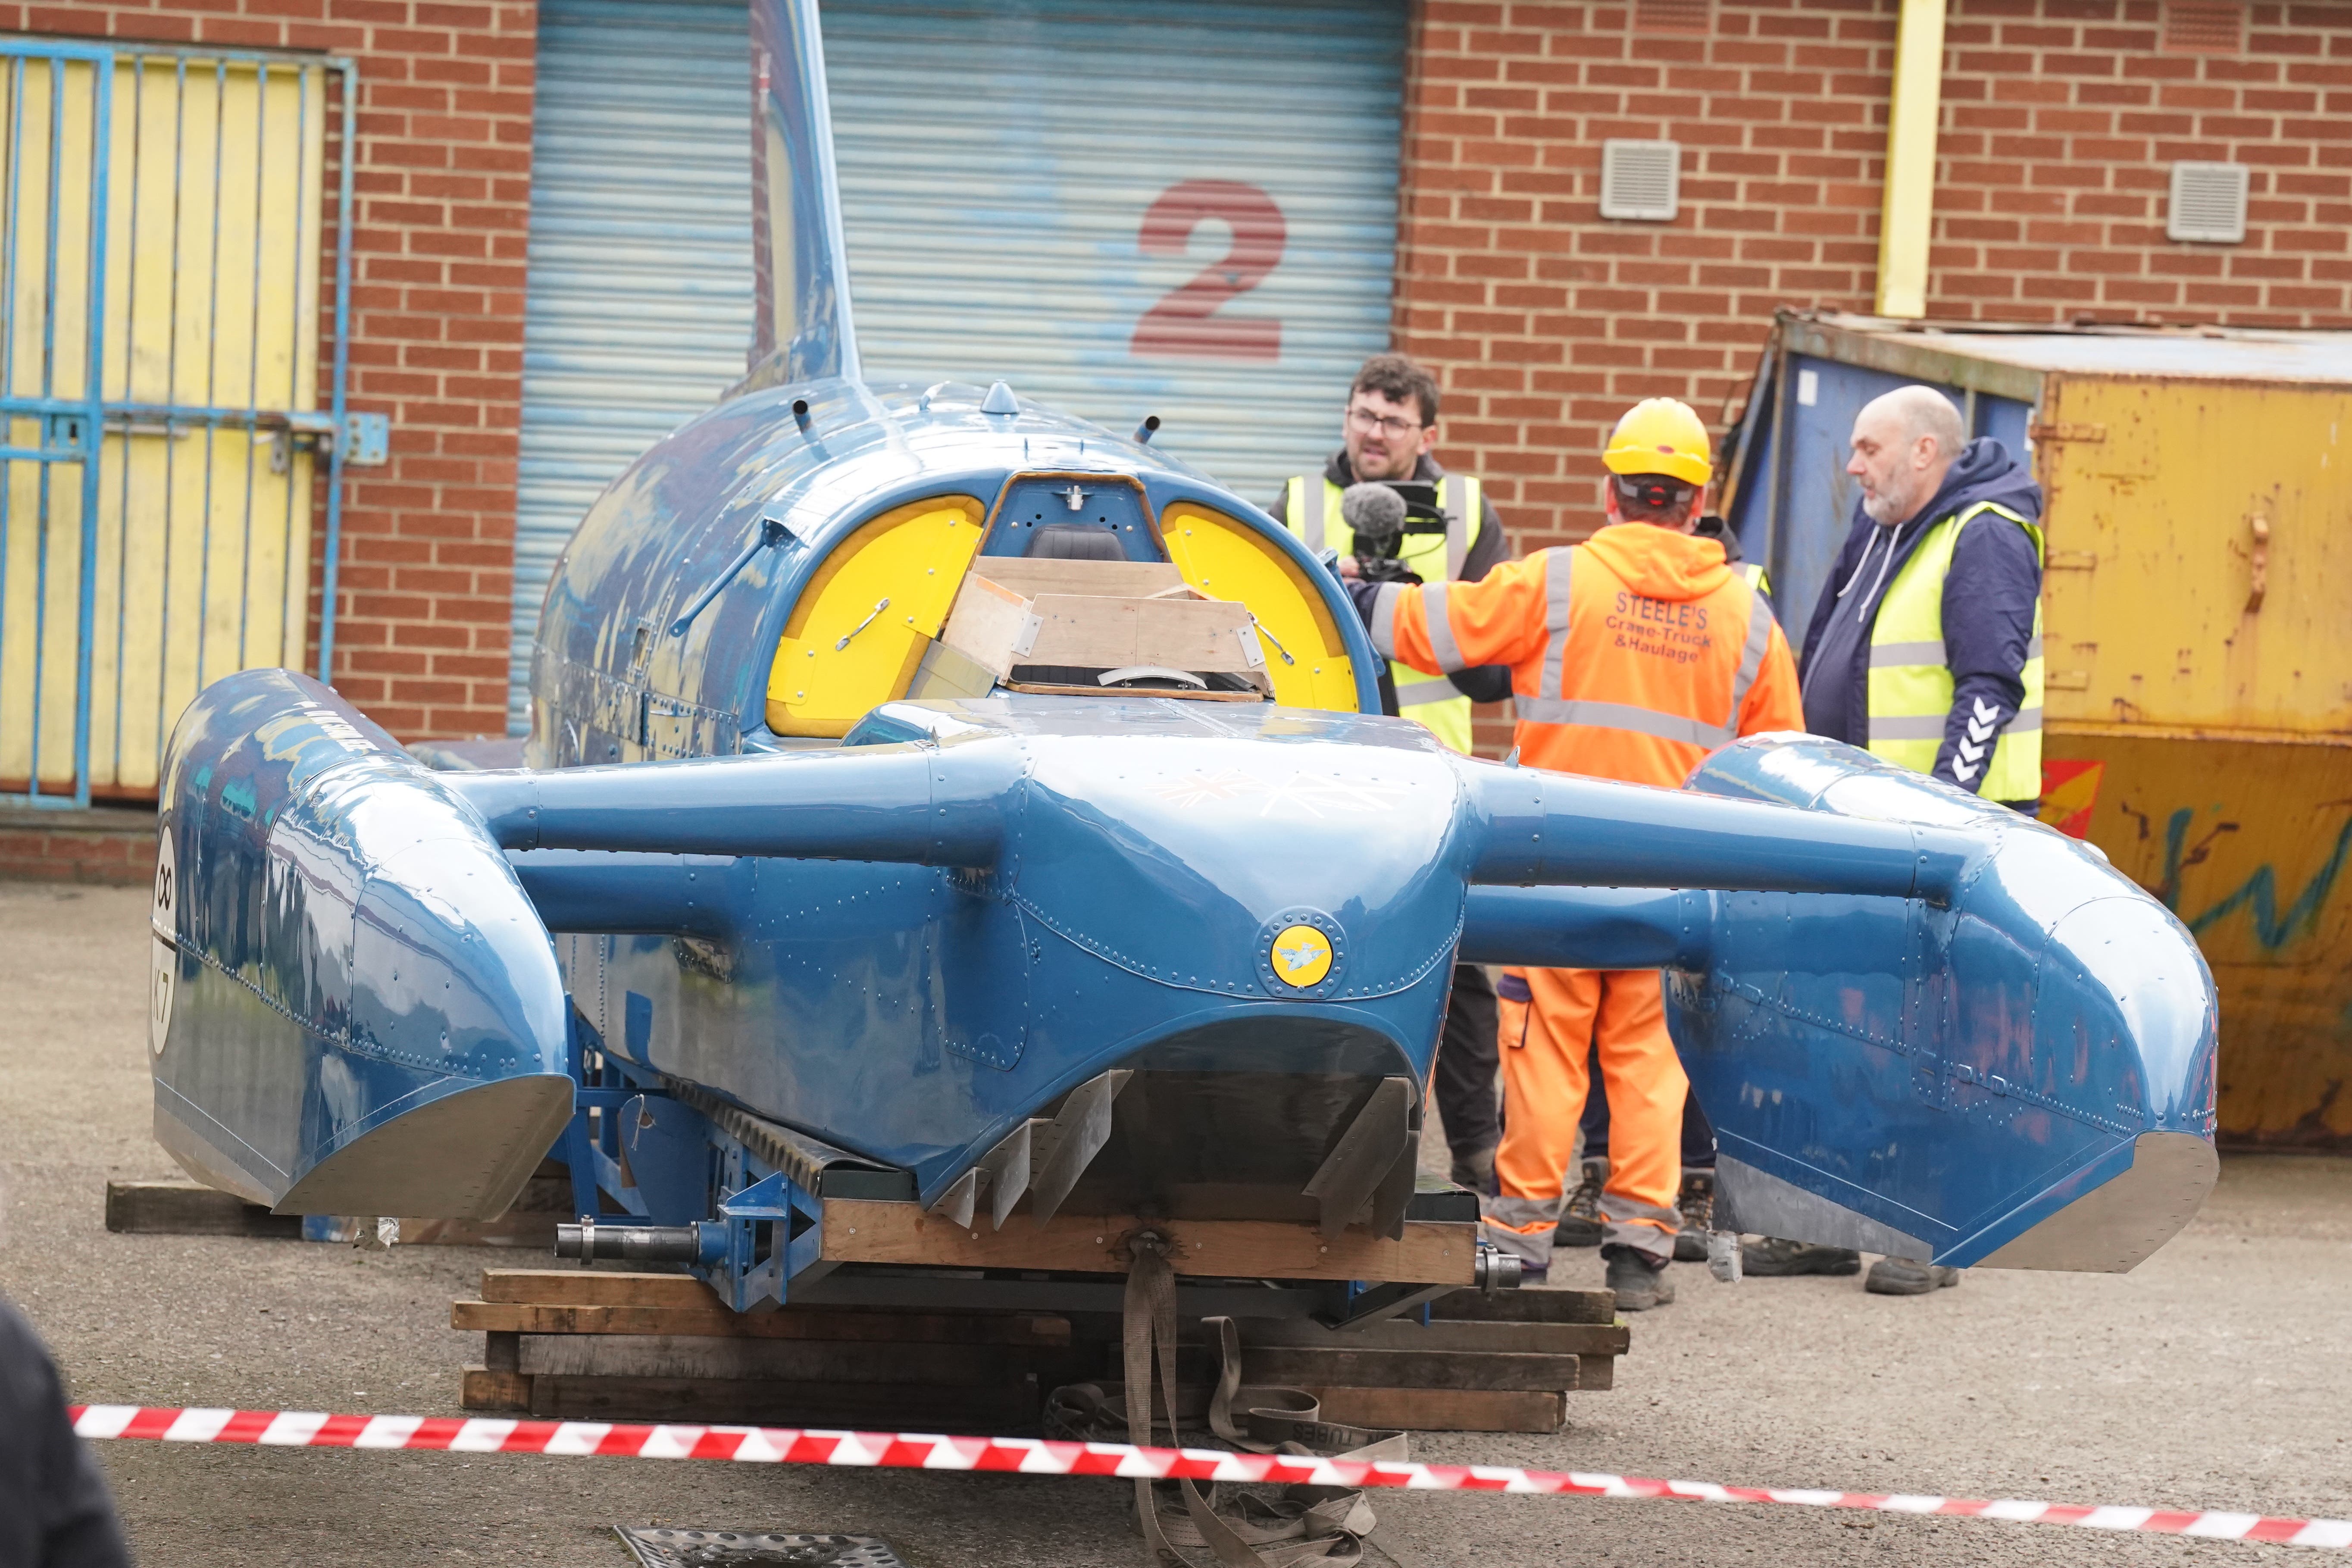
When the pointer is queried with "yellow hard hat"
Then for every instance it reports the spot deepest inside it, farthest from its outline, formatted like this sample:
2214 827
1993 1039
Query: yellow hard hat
1660 436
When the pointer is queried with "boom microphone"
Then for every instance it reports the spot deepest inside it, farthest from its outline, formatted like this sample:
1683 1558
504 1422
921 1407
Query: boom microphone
1373 511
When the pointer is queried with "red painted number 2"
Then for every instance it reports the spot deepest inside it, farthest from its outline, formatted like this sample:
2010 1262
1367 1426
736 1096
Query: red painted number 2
1185 324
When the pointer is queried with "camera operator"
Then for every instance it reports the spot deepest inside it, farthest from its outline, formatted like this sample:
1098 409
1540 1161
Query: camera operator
1439 528
1389 426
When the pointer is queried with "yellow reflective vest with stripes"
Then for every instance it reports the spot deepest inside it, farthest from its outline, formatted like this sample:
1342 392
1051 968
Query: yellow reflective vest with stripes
1911 683
1434 558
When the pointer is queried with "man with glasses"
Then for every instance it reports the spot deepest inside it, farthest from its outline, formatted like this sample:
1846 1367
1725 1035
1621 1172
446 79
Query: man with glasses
1389 427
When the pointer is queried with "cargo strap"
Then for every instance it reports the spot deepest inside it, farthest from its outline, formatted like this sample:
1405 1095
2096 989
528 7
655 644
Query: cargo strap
1325 1526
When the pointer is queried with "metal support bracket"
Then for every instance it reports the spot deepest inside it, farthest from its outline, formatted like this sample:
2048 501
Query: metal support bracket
367 440
760 1267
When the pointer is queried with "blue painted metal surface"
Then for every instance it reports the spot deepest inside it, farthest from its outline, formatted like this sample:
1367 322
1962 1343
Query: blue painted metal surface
353 1000
1924 1013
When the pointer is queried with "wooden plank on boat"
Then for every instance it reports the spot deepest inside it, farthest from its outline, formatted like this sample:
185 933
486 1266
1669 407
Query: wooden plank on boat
1539 1304
892 1407
598 1288
866 1231
1463 1338
768 1361
188 1208
1494 1370
853 1324
491 1392
1446 1409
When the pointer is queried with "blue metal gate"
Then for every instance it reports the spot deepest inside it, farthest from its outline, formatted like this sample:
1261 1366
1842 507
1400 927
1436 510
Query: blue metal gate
54 423
160 237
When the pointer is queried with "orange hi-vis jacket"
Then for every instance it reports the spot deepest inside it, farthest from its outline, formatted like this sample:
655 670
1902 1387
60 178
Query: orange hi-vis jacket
1633 655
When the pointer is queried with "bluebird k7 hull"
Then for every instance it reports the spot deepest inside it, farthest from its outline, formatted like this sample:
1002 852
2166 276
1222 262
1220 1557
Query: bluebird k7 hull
1918 1023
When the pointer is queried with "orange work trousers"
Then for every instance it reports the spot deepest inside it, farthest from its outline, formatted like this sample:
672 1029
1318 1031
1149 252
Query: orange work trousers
1550 1019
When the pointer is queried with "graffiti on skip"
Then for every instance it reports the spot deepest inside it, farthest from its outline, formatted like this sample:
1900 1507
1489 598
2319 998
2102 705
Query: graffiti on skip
2258 895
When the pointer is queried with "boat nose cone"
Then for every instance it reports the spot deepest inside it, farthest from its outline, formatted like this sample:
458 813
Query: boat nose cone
2121 975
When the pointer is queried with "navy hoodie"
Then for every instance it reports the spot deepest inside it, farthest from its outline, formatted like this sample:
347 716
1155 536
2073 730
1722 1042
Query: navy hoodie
1989 596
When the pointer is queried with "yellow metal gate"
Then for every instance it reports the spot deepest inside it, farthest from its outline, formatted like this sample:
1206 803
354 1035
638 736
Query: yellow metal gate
163 221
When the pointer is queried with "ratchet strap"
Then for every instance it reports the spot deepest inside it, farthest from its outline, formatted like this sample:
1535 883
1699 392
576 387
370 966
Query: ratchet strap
1322 1526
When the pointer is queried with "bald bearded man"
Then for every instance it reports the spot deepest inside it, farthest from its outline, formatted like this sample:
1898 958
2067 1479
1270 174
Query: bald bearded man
1926 649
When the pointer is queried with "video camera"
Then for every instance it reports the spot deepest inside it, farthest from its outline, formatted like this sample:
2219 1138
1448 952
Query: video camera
1381 514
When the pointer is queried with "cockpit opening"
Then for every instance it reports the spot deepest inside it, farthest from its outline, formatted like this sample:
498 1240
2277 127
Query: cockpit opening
1069 584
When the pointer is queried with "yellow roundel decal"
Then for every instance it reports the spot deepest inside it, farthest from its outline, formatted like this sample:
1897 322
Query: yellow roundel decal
1302 955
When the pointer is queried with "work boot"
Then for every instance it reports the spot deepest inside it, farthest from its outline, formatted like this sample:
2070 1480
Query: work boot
1773 1257
1696 1202
1906 1277
1580 1224
1639 1284
1474 1170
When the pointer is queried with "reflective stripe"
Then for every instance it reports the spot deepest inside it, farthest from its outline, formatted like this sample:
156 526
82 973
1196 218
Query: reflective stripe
1521 1212
1558 568
1751 658
1895 654
1461 524
1624 716
1384 610
1306 521
1911 685
1446 652
1423 692
1930 726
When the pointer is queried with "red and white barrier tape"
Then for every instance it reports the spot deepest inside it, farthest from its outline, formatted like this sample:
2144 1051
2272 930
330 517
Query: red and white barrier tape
1033 1457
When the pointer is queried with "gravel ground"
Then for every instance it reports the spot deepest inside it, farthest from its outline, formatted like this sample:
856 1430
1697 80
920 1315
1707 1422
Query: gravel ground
2215 1376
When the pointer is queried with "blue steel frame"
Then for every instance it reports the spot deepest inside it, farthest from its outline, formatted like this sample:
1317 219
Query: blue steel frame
71 428
768 1228
85 420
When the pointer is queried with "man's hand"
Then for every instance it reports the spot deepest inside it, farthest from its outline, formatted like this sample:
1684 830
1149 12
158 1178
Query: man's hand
1348 567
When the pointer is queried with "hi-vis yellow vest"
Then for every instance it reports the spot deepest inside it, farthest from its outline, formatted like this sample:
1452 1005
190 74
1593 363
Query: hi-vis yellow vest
1911 684
1435 558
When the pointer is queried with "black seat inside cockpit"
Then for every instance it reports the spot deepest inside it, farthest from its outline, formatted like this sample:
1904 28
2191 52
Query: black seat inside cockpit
1073 517
1073 541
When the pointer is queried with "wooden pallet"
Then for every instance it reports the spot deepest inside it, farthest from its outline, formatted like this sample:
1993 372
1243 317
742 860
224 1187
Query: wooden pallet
188 1208
1500 1363
580 1344
589 1344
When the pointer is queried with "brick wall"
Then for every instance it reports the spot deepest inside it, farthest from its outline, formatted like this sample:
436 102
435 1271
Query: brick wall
442 184
2060 121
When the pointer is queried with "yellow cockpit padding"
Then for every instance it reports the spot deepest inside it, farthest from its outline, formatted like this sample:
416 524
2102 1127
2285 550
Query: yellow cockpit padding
1224 559
914 556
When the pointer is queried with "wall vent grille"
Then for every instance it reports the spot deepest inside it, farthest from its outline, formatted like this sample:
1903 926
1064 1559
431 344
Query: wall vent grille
2209 204
1672 16
1640 181
2205 26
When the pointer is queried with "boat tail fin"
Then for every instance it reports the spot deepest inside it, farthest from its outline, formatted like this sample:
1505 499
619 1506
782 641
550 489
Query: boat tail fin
801 328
